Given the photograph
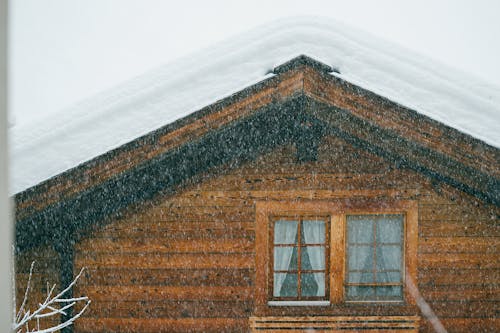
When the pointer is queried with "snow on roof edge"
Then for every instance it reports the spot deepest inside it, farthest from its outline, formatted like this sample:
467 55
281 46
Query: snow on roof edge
66 139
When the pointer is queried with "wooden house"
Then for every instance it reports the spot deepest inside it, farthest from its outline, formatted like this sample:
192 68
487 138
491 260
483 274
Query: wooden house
302 202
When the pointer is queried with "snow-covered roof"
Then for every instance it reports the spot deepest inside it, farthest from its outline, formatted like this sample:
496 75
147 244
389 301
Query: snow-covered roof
41 150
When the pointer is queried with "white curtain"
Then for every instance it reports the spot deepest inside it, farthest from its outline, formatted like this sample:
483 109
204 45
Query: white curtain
314 233
285 232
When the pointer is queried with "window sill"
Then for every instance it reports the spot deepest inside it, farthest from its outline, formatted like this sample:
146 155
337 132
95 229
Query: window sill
298 303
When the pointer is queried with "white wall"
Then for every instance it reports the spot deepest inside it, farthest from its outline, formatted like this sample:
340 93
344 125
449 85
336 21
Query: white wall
5 224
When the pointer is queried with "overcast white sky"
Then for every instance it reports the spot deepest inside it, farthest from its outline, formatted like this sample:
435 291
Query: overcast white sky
62 51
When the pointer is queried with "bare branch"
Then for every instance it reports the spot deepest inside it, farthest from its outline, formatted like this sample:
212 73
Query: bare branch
23 317
26 293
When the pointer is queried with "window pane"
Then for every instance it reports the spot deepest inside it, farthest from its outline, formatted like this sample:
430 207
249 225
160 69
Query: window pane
285 258
360 292
285 285
285 232
388 257
313 258
387 277
313 284
389 292
360 277
360 257
313 231
389 228
360 228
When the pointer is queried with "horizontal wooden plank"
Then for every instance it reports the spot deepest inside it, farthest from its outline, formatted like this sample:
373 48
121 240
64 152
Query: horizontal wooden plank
321 325
149 260
162 293
338 330
465 325
335 323
167 277
178 225
171 309
339 310
334 319
47 322
456 212
470 309
45 259
459 260
38 281
454 228
161 325
459 245
161 245
167 211
42 265
452 276
235 198
202 233
293 179
332 155
462 293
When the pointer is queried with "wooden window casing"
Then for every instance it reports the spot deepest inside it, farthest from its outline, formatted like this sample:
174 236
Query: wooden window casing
336 210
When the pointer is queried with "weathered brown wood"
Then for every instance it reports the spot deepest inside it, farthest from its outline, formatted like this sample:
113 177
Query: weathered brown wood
452 276
202 233
459 260
460 228
474 309
171 256
45 274
463 293
335 324
159 293
167 211
232 198
204 308
167 277
337 262
162 245
466 325
160 325
154 261
292 179
454 212
459 245
161 228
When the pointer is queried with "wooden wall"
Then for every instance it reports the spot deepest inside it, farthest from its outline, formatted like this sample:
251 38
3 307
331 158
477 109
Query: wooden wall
186 263
45 271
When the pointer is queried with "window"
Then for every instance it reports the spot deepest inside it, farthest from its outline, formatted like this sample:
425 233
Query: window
299 258
344 251
374 257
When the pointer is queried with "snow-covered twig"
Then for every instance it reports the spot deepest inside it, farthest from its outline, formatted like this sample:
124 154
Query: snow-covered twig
24 317
26 293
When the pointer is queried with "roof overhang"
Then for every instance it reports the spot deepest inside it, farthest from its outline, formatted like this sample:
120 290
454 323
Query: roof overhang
302 100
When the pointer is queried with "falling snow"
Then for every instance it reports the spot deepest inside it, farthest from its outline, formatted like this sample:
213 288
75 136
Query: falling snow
46 148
